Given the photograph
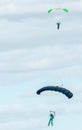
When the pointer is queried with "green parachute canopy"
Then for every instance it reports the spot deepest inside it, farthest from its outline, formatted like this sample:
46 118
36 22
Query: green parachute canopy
63 9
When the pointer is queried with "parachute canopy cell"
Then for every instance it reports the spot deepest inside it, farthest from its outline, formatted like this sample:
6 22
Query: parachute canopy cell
62 90
54 9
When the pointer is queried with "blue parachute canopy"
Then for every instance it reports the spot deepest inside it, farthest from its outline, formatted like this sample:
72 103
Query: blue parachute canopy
62 90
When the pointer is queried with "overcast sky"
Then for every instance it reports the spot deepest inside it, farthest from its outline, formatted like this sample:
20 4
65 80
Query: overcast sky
33 54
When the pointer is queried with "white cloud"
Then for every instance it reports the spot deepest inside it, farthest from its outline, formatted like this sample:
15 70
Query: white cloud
41 58
34 52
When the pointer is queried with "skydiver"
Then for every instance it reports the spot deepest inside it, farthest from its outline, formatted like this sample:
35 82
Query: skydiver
52 114
58 25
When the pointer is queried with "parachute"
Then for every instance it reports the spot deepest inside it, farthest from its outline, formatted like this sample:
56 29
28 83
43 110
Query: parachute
54 9
62 90
58 13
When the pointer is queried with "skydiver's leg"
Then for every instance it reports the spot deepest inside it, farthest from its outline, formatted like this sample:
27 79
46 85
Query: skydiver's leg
52 122
49 123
